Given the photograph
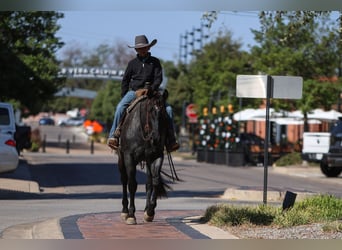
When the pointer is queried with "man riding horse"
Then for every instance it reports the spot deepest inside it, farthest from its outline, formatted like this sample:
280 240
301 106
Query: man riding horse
142 76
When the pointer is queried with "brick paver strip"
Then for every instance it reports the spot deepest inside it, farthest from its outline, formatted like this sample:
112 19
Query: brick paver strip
166 225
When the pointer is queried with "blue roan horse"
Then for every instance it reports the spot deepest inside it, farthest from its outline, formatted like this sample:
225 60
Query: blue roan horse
143 135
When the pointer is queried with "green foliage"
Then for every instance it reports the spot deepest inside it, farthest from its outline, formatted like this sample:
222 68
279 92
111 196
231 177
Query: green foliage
289 159
301 43
314 209
36 140
28 46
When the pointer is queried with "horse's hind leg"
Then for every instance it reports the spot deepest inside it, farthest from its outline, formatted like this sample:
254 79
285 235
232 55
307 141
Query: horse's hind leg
155 188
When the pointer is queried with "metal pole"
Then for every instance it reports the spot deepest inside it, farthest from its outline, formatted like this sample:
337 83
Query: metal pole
44 143
92 147
67 146
267 136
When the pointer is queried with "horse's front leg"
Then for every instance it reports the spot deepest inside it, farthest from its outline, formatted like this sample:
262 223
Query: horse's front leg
132 188
150 196
124 181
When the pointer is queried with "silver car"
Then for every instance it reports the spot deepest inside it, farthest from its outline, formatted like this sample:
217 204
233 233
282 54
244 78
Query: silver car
9 158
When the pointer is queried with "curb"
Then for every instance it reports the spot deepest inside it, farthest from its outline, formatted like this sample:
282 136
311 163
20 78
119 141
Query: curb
48 229
19 185
257 195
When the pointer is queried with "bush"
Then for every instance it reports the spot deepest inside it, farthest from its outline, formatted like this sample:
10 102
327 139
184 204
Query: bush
36 140
314 209
289 159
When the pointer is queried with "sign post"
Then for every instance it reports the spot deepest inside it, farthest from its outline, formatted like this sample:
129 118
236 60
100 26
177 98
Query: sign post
266 86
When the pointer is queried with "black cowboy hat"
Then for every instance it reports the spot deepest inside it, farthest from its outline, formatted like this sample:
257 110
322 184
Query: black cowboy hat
142 42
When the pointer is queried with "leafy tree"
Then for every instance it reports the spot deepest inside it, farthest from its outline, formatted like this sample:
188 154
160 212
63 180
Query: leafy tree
29 69
212 76
296 43
302 43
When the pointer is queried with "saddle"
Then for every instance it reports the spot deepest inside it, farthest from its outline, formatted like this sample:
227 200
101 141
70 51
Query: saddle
133 104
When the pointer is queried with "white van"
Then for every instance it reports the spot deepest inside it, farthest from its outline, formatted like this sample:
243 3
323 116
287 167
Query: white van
9 158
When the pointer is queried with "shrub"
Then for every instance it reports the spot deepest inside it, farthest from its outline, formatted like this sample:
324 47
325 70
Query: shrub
289 159
318 208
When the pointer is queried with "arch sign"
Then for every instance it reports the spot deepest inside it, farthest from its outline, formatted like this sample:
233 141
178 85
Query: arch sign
84 72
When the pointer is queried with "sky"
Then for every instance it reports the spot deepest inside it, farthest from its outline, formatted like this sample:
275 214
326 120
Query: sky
88 29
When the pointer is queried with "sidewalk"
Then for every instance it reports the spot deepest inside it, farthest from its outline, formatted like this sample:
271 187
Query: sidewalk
167 225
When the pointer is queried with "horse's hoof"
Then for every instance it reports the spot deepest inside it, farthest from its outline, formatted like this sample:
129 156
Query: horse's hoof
131 221
124 216
148 218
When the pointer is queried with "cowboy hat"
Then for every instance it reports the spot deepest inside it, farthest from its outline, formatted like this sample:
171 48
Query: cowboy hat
142 41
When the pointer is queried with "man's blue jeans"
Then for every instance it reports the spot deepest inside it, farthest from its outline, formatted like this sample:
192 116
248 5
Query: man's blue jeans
122 106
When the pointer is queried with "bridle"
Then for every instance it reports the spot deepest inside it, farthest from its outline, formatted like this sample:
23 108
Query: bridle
146 131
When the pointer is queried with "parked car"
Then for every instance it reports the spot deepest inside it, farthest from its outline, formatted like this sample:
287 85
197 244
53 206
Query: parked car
48 121
73 121
9 158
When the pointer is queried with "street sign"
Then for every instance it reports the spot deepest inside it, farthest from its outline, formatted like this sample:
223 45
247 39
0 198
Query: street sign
191 113
266 86
282 87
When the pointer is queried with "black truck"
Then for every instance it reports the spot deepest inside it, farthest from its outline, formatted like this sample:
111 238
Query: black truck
331 163
22 137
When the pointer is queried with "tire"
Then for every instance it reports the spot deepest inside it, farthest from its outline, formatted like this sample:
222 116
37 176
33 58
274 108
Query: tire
330 171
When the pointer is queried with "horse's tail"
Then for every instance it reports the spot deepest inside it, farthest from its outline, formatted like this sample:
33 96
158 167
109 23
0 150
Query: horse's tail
160 186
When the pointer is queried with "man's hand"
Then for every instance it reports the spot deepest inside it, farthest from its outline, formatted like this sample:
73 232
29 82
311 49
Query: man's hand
141 92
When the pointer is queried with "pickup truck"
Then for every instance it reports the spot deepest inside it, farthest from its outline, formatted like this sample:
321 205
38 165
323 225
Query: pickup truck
331 163
315 144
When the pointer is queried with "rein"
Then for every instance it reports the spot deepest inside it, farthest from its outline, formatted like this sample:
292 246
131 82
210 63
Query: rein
146 129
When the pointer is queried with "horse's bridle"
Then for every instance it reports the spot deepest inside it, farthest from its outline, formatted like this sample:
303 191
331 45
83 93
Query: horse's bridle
147 129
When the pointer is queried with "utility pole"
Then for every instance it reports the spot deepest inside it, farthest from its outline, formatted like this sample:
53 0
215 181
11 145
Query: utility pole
190 39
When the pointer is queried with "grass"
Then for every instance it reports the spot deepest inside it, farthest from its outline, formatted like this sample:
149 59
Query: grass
324 209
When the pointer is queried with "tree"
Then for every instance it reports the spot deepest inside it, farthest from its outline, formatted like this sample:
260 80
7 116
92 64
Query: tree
302 43
296 43
29 69
212 75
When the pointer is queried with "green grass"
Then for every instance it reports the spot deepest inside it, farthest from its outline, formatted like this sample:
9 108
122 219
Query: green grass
324 209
